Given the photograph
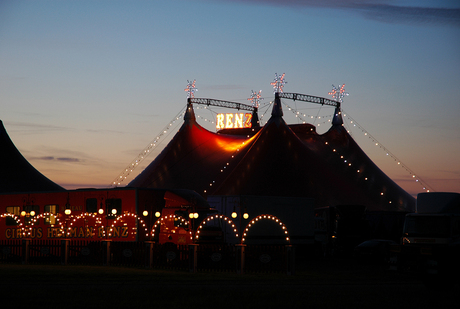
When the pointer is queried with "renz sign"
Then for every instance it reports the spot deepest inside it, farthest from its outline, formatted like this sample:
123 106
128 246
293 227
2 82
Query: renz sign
232 121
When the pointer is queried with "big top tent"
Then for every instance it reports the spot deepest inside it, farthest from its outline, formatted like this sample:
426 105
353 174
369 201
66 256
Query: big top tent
275 160
18 175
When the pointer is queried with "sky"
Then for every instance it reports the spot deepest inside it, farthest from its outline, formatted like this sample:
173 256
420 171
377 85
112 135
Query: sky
86 86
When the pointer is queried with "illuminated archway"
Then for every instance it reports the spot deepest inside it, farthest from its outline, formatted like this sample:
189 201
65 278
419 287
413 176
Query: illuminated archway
161 220
133 228
67 230
208 219
13 216
34 220
266 217
19 229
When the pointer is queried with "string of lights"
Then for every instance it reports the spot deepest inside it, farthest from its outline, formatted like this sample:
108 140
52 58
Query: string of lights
301 116
73 219
265 112
133 227
261 217
26 231
147 150
204 118
208 219
224 168
159 222
387 152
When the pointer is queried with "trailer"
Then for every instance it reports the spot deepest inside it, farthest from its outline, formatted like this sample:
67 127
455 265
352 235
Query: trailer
121 214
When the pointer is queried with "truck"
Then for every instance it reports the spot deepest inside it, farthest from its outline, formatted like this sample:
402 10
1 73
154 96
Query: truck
430 244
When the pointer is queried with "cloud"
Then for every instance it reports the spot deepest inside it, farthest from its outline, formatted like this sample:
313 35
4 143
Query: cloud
105 131
379 10
60 159
33 128
11 77
417 15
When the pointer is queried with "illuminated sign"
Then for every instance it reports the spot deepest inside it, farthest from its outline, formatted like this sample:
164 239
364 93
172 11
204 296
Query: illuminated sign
73 232
233 121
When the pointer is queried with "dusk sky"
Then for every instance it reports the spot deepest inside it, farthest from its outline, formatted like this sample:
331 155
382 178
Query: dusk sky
85 86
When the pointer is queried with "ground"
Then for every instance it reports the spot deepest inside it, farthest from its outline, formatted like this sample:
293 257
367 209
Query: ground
315 284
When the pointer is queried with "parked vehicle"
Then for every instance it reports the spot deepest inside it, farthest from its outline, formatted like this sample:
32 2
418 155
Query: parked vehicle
374 250
430 244
339 229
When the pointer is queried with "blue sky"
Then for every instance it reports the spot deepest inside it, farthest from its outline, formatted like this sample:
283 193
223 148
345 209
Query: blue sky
86 85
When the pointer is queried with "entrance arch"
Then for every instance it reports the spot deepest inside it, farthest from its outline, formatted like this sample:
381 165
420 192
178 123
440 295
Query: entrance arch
259 218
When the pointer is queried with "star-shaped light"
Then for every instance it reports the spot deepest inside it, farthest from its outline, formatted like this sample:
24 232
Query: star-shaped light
338 93
255 98
278 83
191 89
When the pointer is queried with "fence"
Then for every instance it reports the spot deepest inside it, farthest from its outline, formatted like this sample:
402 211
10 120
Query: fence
195 257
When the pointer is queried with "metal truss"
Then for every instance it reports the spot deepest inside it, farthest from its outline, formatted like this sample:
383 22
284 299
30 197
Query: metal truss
220 103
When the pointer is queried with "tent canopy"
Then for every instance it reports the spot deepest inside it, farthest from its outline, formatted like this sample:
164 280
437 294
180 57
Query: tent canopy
276 160
18 175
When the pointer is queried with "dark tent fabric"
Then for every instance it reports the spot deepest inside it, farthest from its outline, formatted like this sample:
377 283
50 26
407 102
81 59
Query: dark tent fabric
277 160
18 175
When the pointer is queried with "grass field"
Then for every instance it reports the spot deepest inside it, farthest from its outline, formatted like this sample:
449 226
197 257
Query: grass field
332 284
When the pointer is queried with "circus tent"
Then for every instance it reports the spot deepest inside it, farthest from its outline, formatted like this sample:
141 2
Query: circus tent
275 160
18 175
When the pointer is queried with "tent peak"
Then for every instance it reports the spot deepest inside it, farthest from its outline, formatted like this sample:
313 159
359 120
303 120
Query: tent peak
337 120
277 110
189 113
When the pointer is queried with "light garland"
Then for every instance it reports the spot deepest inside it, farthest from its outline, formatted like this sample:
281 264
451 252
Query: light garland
13 216
350 165
267 110
265 217
133 228
300 115
414 176
27 230
73 219
211 183
208 219
204 118
159 222
16 219
147 150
